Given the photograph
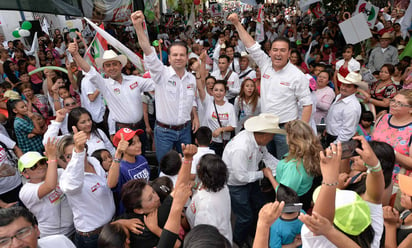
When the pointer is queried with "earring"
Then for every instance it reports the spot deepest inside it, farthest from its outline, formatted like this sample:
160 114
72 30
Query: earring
27 177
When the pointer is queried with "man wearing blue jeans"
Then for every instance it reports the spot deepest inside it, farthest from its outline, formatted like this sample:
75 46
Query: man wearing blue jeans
175 91
242 156
283 85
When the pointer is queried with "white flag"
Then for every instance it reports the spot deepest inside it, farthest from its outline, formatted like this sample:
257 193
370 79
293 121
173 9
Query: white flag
119 46
45 26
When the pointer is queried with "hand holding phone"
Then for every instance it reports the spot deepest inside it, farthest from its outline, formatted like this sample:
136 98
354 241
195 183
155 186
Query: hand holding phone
349 148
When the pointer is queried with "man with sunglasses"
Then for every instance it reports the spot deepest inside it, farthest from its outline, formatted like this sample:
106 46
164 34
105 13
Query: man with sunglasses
18 228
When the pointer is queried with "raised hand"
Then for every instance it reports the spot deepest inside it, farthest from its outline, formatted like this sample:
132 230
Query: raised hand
330 162
51 148
137 18
121 147
269 213
80 139
189 150
233 18
73 47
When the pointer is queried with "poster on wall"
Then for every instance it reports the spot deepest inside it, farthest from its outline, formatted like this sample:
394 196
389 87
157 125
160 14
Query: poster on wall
108 10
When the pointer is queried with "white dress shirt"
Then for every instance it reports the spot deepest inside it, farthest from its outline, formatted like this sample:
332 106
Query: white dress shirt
280 90
343 117
123 99
97 107
353 65
242 156
175 96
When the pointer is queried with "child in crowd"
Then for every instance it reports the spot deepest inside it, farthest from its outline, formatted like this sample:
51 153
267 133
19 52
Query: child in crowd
286 229
247 104
170 165
365 127
23 126
9 93
203 138
104 157
130 164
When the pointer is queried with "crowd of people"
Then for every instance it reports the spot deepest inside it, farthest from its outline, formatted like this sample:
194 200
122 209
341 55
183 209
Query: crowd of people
252 141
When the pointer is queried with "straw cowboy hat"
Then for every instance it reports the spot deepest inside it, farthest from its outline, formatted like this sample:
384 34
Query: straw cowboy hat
264 123
387 36
110 55
353 78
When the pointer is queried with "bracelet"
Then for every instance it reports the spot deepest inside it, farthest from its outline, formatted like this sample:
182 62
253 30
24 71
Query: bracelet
117 160
375 168
187 161
54 100
51 161
330 184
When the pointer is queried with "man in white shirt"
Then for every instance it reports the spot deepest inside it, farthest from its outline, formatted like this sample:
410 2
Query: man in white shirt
344 113
175 93
242 156
230 76
122 92
283 85
245 70
18 228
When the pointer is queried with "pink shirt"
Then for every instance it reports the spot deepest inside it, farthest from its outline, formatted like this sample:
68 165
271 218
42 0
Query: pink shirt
399 137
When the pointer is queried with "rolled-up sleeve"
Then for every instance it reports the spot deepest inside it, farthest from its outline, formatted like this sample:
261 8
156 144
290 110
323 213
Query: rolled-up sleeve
240 171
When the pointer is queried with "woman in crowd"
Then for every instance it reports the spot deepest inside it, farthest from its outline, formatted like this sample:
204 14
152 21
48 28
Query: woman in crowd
324 96
220 114
81 119
301 164
84 183
247 103
11 73
42 194
296 59
395 129
383 90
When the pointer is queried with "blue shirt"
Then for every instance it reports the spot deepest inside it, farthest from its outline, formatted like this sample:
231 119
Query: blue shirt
283 232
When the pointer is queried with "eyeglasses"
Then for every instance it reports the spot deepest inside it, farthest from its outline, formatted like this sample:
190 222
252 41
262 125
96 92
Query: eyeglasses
397 103
70 104
21 234
41 162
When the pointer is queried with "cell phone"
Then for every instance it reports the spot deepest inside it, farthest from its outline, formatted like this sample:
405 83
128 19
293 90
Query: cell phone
292 207
348 148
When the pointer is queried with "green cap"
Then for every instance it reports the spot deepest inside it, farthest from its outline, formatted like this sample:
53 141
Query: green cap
155 43
352 213
298 42
29 159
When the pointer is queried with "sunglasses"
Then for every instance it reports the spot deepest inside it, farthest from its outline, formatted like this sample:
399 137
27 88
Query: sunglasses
41 162
70 104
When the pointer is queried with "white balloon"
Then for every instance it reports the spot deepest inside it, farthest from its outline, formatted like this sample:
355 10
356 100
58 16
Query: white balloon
24 33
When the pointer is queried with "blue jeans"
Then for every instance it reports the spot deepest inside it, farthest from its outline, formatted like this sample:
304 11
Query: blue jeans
85 241
166 139
278 146
246 201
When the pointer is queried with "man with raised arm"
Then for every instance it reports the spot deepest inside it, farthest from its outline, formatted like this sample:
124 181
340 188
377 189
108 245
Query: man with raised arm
283 85
175 92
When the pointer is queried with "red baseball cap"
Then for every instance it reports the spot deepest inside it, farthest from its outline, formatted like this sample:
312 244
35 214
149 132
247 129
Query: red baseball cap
127 135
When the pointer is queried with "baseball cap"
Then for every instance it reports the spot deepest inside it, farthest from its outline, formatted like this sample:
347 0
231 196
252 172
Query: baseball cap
127 135
352 213
29 159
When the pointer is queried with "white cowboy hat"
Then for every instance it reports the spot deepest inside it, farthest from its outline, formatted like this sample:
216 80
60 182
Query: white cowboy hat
353 78
110 55
264 123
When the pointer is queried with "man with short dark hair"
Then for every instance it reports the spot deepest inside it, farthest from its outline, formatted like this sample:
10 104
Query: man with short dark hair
230 76
175 93
283 85
18 228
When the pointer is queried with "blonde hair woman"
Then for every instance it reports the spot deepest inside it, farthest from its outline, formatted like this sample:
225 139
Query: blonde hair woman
301 164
